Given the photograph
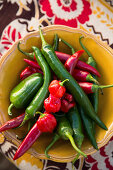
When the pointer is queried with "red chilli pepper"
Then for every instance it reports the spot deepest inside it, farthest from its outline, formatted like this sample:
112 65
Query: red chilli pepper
84 66
62 56
45 123
56 88
25 73
80 64
32 63
29 140
91 88
52 104
28 71
68 97
66 106
72 61
81 75
13 123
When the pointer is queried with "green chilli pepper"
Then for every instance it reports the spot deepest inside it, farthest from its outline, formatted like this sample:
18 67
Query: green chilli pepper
31 55
24 92
89 128
65 132
69 45
94 100
91 61
76 124
56 42
77 92
38 101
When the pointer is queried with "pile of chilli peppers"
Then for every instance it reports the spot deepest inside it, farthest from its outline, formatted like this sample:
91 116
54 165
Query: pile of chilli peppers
59 93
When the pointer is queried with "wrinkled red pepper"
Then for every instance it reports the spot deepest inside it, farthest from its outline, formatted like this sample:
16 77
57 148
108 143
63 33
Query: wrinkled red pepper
52 104
56 88
47 119
45 123
66 106
68 97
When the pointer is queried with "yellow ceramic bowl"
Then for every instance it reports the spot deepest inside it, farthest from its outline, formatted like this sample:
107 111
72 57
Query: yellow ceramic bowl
12 64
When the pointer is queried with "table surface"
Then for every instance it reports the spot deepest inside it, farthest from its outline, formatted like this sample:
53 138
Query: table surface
23 17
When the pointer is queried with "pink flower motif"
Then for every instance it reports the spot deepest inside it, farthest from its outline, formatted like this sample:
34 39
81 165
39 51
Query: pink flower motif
66 12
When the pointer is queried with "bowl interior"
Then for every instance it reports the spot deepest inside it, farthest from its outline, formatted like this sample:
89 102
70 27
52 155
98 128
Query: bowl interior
12 64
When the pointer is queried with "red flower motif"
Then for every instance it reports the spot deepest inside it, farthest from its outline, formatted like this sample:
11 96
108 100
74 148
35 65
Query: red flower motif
66 12
10 35
102 159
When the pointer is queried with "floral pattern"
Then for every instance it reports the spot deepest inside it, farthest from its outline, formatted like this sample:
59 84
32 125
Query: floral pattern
9 36
24 17
102 159
70 11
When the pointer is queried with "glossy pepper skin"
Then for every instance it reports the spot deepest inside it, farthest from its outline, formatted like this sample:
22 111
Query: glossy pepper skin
13 123
91 61
26 72
65 132
45 123
56 42
24 92
72 61
76 124
92 88
71 85
63 57
57 89
66 105
52 104
33 64
81 75
69 45
29 140
29 71
80 64
68 97
88 128
38 100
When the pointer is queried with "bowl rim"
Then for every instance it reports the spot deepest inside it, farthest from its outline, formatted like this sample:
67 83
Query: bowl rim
46 29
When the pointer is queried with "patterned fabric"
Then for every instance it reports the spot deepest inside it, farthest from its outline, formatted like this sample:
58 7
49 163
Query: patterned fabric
17 18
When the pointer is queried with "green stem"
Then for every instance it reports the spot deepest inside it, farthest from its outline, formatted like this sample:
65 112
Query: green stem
96 87
31 55
41 114
42 37
85 49
91 78
62 83
69 45
74 145
55 138
56 42
10 108
75 159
